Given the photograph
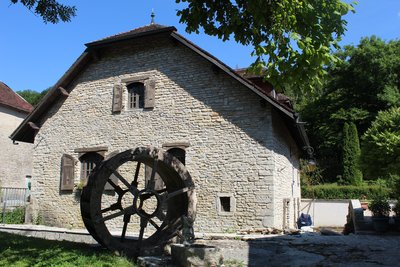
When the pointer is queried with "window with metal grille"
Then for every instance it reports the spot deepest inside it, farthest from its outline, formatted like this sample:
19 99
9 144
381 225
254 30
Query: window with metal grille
135 95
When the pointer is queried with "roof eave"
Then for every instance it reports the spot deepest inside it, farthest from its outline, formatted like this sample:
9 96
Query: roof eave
19 134
15 108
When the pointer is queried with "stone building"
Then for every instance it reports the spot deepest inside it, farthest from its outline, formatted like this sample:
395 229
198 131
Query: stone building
240 140
15 158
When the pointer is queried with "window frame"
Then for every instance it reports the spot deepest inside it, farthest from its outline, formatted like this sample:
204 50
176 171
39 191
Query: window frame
136 100
148 95
232 204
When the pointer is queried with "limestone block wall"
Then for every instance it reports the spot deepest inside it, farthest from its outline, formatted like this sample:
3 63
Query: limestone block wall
287 191
229 132
15 160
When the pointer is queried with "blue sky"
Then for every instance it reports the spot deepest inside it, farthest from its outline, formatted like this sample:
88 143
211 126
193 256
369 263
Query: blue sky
34 55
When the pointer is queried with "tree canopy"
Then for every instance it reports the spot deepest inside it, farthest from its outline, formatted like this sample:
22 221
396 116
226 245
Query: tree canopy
292 39
366 81
381 145
33 97
49 10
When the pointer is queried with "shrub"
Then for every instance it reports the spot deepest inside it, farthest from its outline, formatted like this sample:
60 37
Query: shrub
334 191
379 206
15 216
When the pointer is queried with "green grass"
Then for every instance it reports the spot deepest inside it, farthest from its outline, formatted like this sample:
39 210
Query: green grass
24 251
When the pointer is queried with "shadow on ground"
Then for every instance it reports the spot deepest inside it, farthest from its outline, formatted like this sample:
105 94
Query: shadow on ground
313 250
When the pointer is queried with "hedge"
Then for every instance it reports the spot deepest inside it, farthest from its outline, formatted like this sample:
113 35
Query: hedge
334 191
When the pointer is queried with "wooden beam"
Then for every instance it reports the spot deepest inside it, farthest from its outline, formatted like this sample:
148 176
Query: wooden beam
33 125
63 91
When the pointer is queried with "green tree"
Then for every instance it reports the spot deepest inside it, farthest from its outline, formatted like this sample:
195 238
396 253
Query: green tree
365 81
292 39
50 10
352 174
32 97
380 155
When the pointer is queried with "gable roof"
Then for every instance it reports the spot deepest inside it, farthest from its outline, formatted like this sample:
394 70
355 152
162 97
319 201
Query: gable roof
10 99
135 33
25 132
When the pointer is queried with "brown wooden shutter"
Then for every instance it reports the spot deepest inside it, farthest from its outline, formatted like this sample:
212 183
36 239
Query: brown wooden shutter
149 94
117 98
113 178
67 172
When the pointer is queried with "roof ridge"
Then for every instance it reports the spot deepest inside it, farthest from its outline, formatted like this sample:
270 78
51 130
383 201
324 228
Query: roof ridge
139 30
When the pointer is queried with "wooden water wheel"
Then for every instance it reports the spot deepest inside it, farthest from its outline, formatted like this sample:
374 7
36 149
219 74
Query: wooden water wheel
144 190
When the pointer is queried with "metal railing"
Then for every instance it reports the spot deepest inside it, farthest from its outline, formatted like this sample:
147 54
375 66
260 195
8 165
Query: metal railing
12 198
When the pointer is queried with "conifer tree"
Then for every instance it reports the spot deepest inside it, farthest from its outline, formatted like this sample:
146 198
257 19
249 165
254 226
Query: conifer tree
352 174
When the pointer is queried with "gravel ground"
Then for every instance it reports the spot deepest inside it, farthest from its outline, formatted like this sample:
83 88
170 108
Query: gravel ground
311 249
308 249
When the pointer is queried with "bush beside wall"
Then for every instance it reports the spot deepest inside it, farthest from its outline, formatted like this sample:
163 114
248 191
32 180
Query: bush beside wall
334 191
15 216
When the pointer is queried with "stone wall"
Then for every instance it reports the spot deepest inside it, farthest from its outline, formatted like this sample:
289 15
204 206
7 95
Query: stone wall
230 133
15 160
287 177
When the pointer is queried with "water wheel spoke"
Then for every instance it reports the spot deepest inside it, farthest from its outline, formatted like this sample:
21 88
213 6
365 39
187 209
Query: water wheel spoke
131 188
161 215
129 210
143 225
127 219
152 182
115 206
154 224
135 179
117 189
176 193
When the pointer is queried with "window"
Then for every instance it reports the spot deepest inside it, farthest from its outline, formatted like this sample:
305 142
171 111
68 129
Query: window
135 95
138 92
178 153
226 204
88 163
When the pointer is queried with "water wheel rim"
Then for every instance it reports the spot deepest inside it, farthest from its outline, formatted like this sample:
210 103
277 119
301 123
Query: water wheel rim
92 193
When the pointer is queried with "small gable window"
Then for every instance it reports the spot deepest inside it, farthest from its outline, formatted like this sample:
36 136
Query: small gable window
136 95
88 163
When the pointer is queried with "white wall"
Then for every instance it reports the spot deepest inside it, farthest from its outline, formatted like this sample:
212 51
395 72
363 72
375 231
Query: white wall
324 212
15 160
